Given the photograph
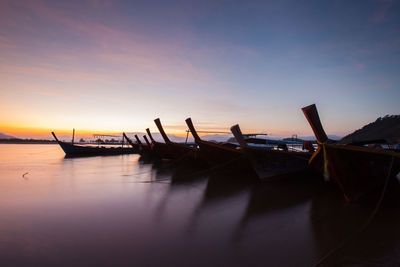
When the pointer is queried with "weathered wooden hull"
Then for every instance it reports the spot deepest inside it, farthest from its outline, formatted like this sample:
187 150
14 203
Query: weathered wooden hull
162 150
174 151
356 170
220 156
145 150
269 163
76 150
272 164
136 147
171 150
184 152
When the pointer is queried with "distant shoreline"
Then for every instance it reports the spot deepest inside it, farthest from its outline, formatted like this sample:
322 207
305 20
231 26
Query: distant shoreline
27 141
46 142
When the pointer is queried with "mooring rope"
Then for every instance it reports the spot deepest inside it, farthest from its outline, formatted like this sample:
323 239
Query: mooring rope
326 171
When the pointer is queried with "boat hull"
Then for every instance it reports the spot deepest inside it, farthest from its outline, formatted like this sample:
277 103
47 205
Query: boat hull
356 170
174 151
76 150
272 164
223 157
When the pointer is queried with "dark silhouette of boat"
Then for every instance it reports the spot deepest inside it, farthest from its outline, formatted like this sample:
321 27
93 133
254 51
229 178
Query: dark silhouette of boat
160 150
270 163
147 154
148 148
356 170
142 149
176 151
72 150
220 155
136 145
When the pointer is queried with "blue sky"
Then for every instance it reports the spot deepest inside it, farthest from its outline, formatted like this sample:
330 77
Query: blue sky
117 65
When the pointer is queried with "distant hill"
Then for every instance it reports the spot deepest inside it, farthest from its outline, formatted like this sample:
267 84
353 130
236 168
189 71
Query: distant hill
4 136
387 128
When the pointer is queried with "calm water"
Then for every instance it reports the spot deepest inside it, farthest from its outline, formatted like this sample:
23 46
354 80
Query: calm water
119 211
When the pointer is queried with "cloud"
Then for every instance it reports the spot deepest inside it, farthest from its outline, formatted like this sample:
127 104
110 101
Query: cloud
108 53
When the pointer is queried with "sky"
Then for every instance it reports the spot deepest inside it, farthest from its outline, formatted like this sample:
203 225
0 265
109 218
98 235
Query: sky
113 66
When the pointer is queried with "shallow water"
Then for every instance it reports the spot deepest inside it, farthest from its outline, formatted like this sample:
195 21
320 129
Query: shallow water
119 211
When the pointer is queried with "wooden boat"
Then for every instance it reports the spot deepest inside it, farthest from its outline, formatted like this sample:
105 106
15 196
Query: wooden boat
136 146
72 150
161 150
144 148
270 163
219 155
174 150
356 170
147 151
149 145
138 140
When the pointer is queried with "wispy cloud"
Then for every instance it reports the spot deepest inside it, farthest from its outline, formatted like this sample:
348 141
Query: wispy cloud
126 52
133 62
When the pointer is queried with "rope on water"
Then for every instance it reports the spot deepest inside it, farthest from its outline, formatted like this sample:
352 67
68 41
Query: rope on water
364 226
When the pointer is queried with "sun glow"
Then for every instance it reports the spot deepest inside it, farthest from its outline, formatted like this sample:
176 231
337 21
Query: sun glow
63 67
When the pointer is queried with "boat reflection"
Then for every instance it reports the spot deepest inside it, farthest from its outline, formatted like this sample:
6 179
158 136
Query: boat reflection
271 198
352 233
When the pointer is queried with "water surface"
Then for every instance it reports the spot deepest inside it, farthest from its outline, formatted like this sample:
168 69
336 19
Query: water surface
119 211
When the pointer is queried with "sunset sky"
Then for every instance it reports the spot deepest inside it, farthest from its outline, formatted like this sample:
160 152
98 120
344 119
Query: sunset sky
114 66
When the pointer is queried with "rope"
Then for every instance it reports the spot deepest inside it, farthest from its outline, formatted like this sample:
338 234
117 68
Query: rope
364 226
326 172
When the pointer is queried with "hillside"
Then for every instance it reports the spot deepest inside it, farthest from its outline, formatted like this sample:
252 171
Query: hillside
4 136
387 128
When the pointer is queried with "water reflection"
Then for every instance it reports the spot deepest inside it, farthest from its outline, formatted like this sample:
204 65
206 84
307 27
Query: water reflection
267 199
122 210
337 225
221 191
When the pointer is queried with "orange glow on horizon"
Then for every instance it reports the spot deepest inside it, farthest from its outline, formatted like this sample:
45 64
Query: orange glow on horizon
44 132
41 132
37 132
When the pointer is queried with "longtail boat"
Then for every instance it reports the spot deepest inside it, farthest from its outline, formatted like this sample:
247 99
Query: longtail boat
144 149
356 170
70 149
161 150
270 163
136 146
147 150
174 150
219 155
149 145
138 140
